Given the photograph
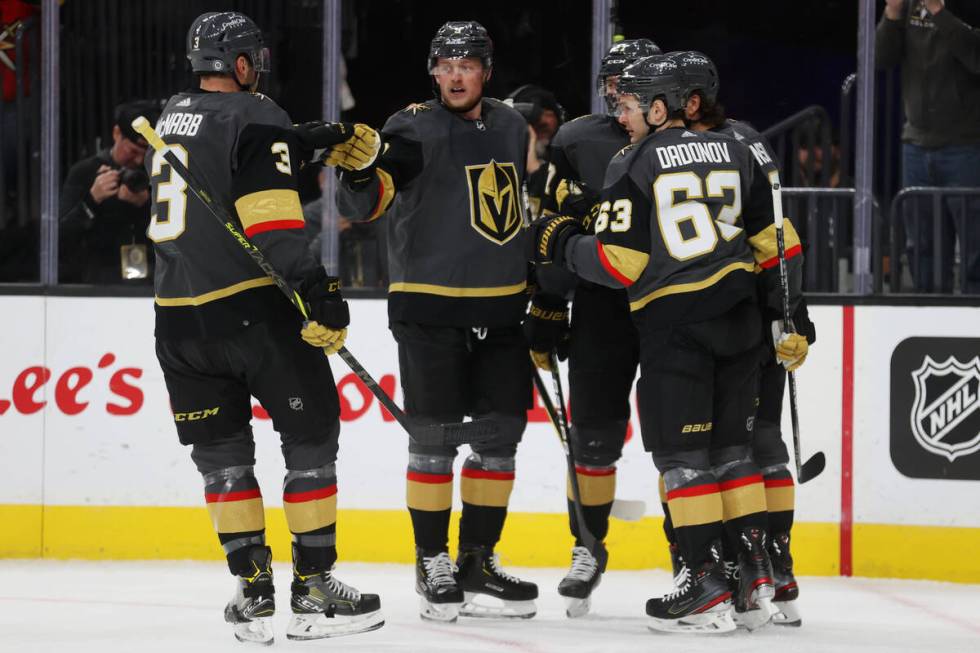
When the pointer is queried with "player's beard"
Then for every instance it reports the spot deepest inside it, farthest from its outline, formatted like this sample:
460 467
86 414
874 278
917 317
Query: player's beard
464 108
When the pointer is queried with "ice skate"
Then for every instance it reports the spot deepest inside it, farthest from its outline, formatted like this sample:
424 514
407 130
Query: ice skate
753 577
578 584
435 582
488 591
676 559
700 602
784 603
325 607
251 609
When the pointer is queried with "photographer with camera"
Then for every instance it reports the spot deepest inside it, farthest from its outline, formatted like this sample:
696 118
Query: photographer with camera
105 209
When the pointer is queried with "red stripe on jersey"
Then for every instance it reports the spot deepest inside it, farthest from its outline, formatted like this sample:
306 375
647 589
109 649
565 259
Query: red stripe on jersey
609 268
310 495
242 495
774 261
273 225
740 482
693 491
483 473
419 477
376 211
592 471
779 482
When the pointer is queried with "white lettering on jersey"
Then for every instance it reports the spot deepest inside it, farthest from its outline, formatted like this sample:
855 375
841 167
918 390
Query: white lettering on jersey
760 154
683 154
180 124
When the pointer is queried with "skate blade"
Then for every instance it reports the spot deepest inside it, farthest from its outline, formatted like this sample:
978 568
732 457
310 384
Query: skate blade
786 614
711 622
484 606
320 626
575 608
256 631
756 618
439 612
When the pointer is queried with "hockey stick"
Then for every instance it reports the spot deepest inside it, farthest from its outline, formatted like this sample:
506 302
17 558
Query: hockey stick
622 509
596 547
428 434
815 465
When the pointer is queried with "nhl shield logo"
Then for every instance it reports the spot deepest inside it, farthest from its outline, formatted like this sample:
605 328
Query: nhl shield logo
496 210
946 395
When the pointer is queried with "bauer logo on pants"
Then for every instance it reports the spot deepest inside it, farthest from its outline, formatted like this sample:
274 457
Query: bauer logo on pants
935 408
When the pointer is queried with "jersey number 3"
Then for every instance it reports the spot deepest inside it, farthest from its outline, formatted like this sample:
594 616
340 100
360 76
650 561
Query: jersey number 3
169 219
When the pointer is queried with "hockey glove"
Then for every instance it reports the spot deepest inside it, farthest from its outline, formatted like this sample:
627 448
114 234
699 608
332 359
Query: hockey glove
549 236
575 198
546 329
359 151
328 314
318 138
791 348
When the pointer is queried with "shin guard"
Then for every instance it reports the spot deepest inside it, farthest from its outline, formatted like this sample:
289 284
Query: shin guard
485 488
429 494
235 505
309 498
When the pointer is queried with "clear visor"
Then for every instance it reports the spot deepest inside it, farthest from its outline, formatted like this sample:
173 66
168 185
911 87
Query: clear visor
625 105
467 67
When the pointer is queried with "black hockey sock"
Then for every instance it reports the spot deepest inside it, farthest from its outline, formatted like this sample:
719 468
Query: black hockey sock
597 487
485 489
309 498
237 514
430 500
694 500
668 522
743 496
780 499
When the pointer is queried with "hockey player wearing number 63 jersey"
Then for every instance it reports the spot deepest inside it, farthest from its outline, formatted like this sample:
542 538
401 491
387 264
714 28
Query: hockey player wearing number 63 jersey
225 333
684 222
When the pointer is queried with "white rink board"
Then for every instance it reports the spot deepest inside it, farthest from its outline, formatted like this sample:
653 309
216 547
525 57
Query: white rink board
95 457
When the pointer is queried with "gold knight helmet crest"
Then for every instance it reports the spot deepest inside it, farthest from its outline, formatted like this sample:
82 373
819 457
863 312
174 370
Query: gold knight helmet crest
496 202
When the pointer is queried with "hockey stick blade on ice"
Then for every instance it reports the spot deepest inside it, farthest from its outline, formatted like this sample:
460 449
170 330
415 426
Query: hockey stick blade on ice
428 434
815 465
560 420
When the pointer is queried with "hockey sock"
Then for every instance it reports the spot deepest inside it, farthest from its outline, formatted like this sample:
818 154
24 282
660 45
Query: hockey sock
309 498
485 489
430 499
668 522
694 500
235 506
780 498
744 498
597 488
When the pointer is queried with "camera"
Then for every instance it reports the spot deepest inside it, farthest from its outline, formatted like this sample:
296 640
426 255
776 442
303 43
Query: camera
135 179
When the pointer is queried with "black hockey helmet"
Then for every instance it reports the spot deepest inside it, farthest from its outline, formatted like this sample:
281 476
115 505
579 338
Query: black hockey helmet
459 40
530 99
698 73
621 55
654 77
217 38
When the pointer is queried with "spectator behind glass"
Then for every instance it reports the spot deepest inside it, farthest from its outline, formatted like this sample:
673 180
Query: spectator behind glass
363 248
939 55
105 209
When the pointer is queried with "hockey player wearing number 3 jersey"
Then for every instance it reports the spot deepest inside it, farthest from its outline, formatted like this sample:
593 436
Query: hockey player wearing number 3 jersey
225 333
685 218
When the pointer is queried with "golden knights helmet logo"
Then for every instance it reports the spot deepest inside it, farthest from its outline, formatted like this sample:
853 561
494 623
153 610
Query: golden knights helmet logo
947 395
496 202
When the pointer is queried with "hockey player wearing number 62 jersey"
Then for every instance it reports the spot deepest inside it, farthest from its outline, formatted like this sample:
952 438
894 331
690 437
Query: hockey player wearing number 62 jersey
225 333
684 221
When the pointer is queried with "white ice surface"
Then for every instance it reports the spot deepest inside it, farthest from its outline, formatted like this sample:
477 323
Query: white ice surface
84 607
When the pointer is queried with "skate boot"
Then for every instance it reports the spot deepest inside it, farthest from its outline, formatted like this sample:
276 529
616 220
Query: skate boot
435 583
325 607
577 585
700 602
251 609
488 591
787 591
753 578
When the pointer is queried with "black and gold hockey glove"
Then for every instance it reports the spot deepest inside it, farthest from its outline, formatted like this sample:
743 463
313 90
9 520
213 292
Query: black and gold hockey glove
546 329
575 198
318 138
359 151
548 238
328 313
